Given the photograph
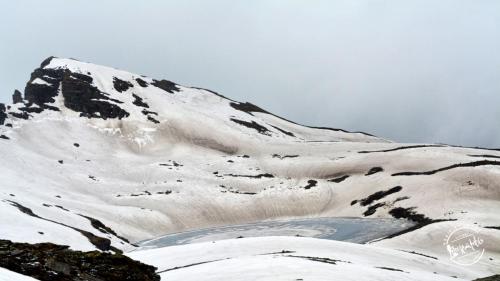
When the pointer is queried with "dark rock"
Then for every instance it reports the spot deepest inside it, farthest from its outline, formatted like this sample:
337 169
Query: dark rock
284 156
97 224
20 115
267 175
391 269
153 120
372 209
374 170
310 183
31 109
46 61
41 94
252 125
410 214
3 115
76 144
147 112
83 97
138 101
60 161
17 97
121 85
247 107
378 195
283 131
82 77
166 85
339 179
141 82
46 261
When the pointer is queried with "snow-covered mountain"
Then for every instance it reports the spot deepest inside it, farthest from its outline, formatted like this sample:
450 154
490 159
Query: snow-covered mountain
95 157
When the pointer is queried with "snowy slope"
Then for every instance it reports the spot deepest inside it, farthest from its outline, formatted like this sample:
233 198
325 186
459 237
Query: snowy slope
285 258
92 153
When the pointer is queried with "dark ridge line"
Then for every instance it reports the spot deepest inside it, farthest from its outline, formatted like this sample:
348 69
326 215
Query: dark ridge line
97 224
420 254
266 175
318 259
283 131
249 108
190 265
391 269
101 243
461 165
475 147
493 227
151 119
277 253
284 156
402 148
339 179
484 155
252 125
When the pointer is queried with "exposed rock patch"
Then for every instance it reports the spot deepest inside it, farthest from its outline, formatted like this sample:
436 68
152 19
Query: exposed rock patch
166 85
252 125
311 183
139 102
17 97
50 262
141 82
374 170
81 96
121 85
377 196
3 115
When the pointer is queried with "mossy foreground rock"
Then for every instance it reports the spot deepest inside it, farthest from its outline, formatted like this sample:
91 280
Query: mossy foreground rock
46 261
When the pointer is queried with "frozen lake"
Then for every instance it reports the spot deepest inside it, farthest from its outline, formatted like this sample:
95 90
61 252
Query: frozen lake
357 230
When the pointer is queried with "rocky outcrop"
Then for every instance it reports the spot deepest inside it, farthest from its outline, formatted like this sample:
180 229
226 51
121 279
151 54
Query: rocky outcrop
3 115
166 85
81 96
47 261
17 97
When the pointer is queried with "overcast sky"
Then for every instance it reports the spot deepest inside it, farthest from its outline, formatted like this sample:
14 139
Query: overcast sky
410 71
